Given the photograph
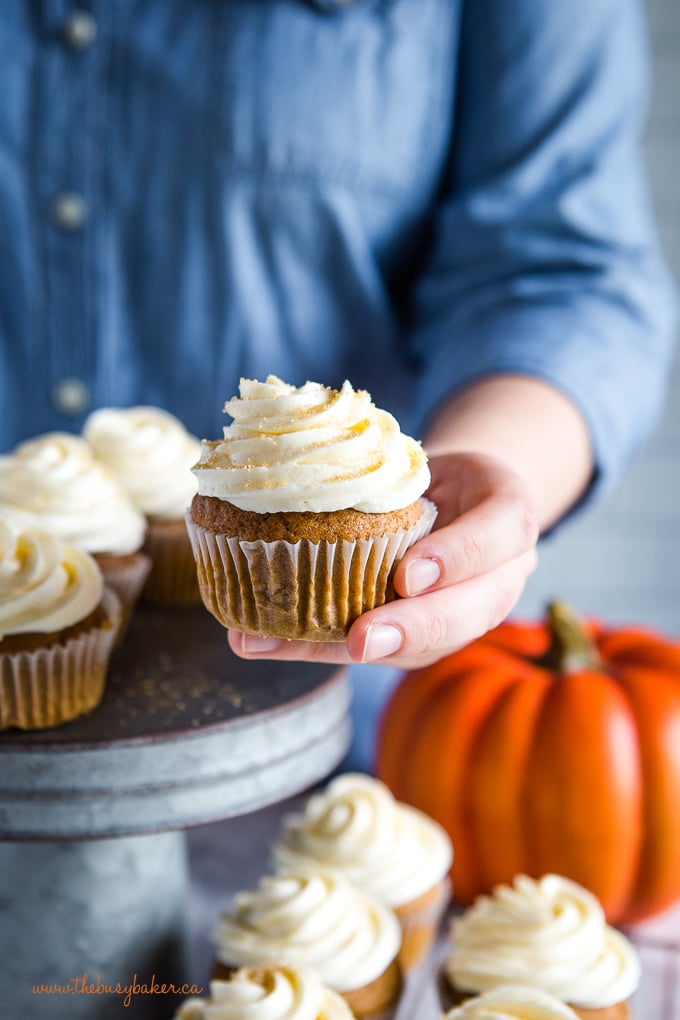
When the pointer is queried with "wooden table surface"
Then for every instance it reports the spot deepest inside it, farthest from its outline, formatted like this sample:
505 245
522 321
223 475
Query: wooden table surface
232 855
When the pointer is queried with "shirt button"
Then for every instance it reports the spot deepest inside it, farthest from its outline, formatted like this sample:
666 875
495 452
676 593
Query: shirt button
79 30
69 211
70 396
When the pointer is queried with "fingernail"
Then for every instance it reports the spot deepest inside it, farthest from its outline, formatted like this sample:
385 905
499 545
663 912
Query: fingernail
421 575
254 643
381 641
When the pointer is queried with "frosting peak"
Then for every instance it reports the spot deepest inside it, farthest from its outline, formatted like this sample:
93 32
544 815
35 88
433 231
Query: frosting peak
267 993
513 1002
150 453
56 478
313 920
550 934
45 585
311 448
357 829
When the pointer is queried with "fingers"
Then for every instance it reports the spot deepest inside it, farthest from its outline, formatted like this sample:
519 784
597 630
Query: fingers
251 646
409 632
501 527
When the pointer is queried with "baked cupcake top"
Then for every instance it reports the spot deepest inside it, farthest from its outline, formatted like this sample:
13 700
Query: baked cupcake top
357 829
311 448
57 478
316 921
550 934
45 585
150 453
512 1002
267 993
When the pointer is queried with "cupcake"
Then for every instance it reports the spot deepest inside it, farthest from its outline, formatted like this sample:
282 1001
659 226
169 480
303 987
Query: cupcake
56 479
356 829
511 1002
151 454
549 934
267 993
319 922
304 510
57 627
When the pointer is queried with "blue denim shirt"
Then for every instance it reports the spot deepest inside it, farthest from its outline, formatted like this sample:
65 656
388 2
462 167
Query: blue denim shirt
408 193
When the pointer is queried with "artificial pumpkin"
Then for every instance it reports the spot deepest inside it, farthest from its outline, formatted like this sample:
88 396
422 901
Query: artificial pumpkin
549 747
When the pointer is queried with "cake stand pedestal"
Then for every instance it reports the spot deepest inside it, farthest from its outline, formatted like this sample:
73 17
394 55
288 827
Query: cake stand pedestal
93 875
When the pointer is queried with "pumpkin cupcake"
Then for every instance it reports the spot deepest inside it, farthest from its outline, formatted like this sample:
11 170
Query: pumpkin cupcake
56 479
319 922
151 454
57 627
548 934
304 509
267 993
512 1002
355 828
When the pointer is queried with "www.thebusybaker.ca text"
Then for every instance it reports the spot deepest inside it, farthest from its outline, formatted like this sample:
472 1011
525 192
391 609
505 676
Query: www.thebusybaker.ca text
83 986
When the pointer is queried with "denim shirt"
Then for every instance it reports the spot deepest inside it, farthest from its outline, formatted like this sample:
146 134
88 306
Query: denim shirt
412 194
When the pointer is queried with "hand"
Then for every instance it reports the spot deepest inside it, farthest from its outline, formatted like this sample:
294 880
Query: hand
456 583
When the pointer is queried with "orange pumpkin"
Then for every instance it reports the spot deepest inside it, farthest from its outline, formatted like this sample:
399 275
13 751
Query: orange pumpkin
548 747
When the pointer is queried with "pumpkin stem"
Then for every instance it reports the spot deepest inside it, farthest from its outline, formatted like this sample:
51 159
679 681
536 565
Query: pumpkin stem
571 648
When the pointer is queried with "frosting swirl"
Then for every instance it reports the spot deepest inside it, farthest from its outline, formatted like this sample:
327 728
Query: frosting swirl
267 993
311 448
512 1002
357 829
56 478
150 453
45 585
315 920
550 934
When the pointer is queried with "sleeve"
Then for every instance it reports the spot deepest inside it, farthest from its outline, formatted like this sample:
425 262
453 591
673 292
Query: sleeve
544 259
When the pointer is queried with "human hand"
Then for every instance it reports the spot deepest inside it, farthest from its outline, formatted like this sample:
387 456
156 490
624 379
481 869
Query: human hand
456 583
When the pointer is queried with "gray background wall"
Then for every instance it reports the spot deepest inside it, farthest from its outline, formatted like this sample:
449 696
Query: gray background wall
622 560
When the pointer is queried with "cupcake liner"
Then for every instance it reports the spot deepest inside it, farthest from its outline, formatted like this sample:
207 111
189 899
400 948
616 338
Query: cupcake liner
51 685
311 591
172 580
420 920
125 575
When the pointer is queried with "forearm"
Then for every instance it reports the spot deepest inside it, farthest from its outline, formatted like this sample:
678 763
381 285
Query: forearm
527 423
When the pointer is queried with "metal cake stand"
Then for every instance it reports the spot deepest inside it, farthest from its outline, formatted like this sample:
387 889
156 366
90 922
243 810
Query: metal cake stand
93 874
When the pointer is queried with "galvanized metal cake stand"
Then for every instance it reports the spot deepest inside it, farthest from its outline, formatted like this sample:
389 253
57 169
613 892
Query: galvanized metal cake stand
93 860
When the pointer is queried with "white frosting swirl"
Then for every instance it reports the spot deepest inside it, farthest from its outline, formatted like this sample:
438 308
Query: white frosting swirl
150 453
355 828
56 478
314 920
268 993
550 934
311 448
512 1002
45 585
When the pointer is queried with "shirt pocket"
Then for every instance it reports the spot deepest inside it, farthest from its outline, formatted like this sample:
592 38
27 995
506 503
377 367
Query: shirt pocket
357 96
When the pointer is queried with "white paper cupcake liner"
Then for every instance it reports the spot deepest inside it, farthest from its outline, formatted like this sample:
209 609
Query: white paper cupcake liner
305 590
51 685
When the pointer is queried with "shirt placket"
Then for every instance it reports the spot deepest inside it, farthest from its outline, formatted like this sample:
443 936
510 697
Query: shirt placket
67 185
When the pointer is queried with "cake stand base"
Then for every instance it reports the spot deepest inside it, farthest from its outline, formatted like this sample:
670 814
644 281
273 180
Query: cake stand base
83 915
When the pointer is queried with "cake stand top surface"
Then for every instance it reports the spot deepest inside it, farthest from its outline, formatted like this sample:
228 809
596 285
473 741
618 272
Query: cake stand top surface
186 733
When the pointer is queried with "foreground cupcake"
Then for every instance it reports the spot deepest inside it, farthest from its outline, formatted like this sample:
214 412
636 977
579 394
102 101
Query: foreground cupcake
57 627
549 934
151 455
356 829
304 509
512 1002
267 993
56 479
319 922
